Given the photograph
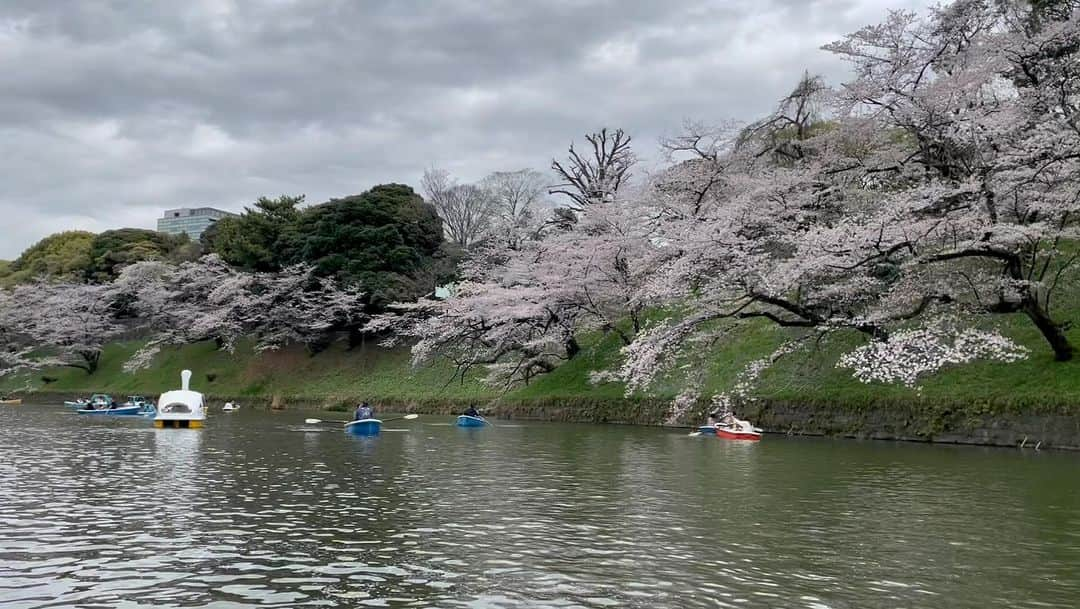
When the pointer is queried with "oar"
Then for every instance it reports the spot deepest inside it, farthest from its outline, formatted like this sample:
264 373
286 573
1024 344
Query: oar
487 420
317 421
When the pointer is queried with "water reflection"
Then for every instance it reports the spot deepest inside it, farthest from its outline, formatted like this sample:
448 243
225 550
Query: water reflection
260 510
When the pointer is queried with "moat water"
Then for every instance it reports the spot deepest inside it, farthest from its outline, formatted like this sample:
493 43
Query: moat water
261 509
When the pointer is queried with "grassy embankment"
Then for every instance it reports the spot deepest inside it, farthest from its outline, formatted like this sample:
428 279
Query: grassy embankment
338 377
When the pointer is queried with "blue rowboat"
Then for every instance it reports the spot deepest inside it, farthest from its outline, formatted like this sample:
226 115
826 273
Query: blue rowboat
114 412
467 421
364 427
707 430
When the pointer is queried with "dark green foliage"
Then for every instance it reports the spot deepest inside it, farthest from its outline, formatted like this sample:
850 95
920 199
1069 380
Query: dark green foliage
1046 11
79 255
112 250
63 255
258 240
1035 15
387 240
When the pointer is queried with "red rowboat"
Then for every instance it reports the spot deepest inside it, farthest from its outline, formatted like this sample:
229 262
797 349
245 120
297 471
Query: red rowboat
732 429
737 432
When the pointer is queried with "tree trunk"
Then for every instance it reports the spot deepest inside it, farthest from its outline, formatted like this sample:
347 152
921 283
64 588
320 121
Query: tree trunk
91 359
1051 330
356 338
572 348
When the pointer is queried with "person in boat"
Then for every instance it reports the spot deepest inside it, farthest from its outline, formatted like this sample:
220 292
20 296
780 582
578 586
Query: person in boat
112 405
472 411
364 411
714 416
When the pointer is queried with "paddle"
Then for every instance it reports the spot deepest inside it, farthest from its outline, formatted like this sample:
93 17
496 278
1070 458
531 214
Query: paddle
408 417
485 410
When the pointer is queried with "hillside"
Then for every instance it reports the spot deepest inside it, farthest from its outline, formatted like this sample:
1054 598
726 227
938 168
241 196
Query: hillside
339 376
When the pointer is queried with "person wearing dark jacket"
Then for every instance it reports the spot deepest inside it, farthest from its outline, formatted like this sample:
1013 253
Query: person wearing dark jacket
472 411
363 411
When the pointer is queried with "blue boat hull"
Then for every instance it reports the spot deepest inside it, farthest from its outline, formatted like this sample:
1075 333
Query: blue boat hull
365 427
123 411
467 421
707 430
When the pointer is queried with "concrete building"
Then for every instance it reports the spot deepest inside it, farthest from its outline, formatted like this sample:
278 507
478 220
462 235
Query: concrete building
190 220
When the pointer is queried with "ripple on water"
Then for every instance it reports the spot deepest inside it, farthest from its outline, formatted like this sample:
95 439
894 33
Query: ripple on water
245 513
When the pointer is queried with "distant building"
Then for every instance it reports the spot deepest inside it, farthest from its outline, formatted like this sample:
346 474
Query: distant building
190 220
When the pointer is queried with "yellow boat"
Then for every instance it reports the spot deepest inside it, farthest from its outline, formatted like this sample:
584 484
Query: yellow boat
12 402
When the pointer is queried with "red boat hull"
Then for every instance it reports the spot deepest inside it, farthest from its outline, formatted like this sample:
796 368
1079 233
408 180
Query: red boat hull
752 436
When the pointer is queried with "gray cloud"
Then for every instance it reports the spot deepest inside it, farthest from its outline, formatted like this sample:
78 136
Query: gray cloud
113 111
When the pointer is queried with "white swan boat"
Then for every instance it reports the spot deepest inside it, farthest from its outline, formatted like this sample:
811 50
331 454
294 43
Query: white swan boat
181 407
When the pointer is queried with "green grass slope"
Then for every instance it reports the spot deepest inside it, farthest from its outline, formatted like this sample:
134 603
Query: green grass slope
335 375
810 374
340 376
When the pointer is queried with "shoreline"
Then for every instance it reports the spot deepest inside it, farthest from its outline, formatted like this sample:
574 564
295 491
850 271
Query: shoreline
981 424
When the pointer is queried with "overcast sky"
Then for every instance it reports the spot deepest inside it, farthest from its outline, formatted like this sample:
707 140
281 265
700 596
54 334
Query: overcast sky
111 112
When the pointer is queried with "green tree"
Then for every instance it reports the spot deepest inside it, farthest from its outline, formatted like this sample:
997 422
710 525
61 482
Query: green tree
63 255
387 240
257 239
114 249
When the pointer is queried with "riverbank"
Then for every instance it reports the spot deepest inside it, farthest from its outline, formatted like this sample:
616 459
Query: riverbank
902 421
1035 402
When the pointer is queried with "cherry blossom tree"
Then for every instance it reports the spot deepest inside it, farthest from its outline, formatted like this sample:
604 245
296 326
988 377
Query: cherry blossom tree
520 311
915 352
513 332
57 324
977 147
15 358
523 304
210 300
942 178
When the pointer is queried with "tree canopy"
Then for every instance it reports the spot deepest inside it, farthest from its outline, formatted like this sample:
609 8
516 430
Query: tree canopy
386 240
111 250
933 191
63 255
258 239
